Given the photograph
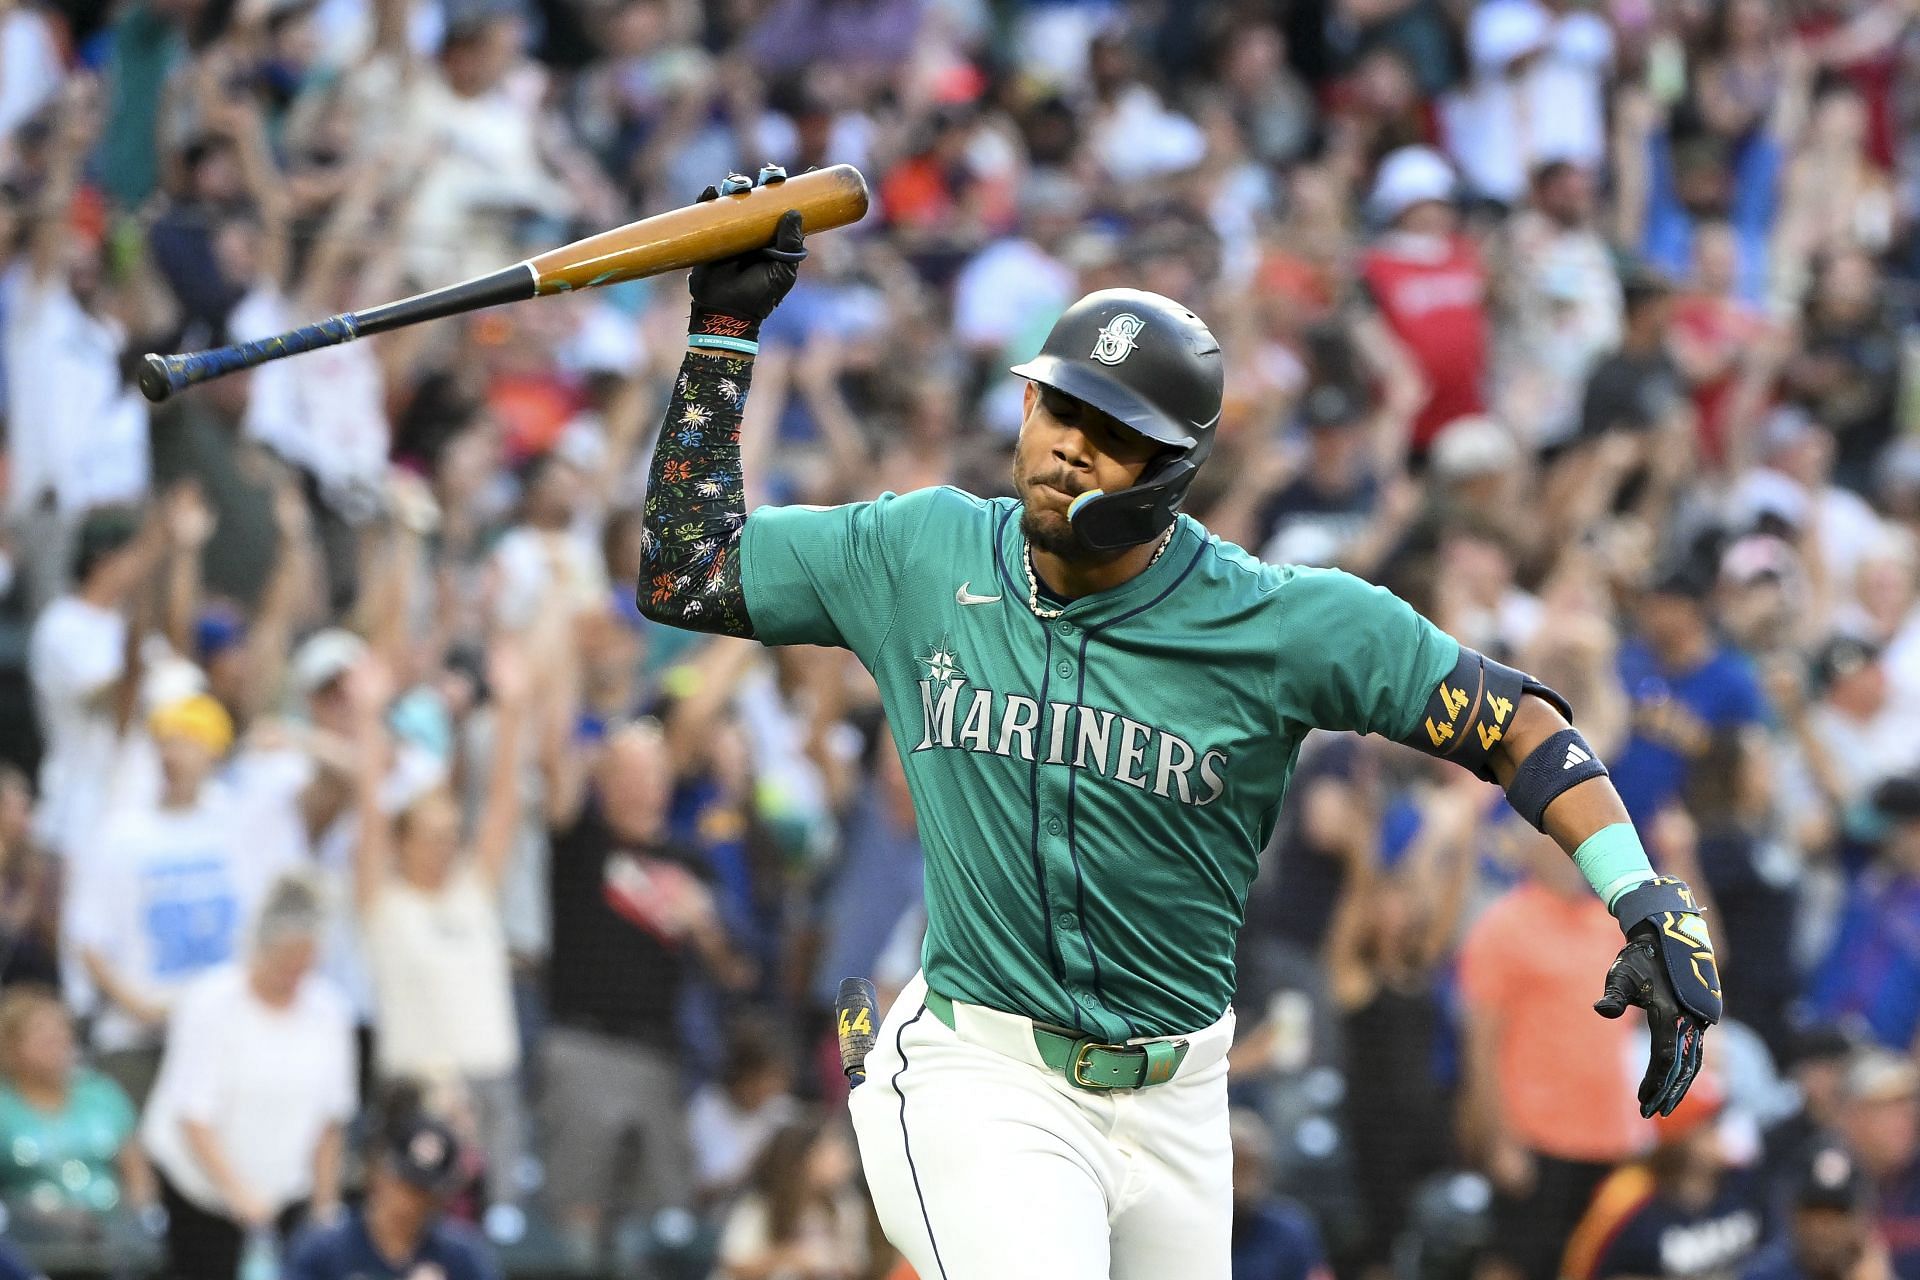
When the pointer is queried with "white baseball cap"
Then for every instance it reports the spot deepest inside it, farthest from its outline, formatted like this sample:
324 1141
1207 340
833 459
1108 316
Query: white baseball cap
323 658
1473 446
1504 31
1411 176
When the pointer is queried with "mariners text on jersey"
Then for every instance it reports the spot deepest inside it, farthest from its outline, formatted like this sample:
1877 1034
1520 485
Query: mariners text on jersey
1093 790
1109 743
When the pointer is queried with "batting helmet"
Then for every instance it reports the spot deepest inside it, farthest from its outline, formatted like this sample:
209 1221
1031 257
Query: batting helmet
1153 366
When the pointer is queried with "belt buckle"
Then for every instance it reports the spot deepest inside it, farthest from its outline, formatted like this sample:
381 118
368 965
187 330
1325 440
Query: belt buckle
1076 1065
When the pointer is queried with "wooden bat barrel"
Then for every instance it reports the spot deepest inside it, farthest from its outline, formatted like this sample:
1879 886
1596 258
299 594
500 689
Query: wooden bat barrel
703 232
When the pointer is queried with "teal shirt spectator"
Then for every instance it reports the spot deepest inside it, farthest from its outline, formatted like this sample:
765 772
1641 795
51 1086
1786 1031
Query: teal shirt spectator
55 1162
146 46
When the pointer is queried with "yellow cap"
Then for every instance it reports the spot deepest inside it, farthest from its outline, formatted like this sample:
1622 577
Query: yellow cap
200 717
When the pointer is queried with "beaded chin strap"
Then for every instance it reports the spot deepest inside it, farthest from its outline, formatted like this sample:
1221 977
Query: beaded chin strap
1033 582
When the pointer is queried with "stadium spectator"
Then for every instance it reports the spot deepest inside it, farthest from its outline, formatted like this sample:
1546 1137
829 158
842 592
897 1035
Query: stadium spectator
1274 1238
1389 937
401 1230
1880 1122
626 902
166 894
79 658
1429 286
801 1217
1681 1212
730 1120
1872 970
29 884
1687 686
430 916
72 1164
1828 1231
247 1123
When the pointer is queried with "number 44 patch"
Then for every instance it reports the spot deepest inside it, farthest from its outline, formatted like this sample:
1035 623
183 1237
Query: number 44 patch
856 1022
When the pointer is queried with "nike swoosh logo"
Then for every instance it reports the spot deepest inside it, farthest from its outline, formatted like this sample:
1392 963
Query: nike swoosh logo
966 597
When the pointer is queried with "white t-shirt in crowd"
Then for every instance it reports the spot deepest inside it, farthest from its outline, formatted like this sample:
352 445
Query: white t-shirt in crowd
726 1139
31 66
442 987
78 429
415 772
168 894
837 1240
325 412
1010 289
268 1082
77 650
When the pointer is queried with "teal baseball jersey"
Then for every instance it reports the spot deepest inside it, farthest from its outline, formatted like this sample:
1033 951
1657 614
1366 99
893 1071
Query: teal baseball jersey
1093 791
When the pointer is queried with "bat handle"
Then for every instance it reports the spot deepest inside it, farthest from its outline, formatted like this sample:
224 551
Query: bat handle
855 1013
161 376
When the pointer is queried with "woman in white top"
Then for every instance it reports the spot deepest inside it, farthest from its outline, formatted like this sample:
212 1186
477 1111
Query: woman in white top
430 914
247 1120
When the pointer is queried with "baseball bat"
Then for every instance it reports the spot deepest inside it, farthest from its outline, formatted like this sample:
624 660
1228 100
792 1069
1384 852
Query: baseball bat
854 1017
702 232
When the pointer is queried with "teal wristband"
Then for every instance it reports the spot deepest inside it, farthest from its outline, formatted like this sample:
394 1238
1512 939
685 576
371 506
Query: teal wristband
719 342
1613 861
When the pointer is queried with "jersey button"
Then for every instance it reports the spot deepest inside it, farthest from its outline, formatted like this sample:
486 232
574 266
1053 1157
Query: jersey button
1064 669
1053 826
1064 627
1068 921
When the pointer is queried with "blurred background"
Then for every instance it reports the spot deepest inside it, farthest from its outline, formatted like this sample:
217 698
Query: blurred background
381 895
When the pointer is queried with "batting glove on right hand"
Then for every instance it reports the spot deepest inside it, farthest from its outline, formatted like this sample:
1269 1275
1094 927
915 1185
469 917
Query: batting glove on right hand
733 295
1668 969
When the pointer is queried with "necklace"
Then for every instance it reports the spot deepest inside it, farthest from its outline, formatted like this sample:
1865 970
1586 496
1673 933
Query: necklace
1033 582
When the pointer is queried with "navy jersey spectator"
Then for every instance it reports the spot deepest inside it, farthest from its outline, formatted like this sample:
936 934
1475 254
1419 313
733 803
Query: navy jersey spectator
402 1230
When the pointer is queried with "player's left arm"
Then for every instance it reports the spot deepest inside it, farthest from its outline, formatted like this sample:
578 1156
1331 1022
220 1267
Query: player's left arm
1510 728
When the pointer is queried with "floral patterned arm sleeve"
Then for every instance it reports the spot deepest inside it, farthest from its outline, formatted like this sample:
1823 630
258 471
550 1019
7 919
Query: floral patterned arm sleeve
696 505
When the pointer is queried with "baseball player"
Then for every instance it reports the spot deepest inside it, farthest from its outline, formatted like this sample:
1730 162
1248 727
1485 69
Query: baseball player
1098 705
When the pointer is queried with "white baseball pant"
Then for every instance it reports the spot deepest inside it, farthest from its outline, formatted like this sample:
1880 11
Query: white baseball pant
984 1164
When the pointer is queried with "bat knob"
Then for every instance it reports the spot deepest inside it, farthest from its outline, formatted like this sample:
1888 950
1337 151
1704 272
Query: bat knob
156 382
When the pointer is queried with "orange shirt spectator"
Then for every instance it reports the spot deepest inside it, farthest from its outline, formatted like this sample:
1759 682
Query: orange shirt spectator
1566 1083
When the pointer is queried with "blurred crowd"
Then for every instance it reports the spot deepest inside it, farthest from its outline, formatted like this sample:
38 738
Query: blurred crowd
381 895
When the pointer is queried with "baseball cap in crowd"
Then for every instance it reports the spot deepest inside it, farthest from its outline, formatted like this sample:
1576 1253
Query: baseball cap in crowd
103 531
1411 176
424 1153
1332 404
1683 579
219 628
1501 32
324 657
1840 656
1818 1042
1828 1177
1881 1075
1758 557
1472 446
1898 799
1706 1098
198 716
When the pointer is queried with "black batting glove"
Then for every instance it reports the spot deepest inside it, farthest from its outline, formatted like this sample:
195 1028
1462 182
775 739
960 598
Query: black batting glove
733 295
1668 969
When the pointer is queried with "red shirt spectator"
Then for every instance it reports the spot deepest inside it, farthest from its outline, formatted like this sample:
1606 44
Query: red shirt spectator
1432 292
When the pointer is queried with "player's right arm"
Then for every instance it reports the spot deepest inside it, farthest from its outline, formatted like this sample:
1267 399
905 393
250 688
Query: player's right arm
695 511
786 575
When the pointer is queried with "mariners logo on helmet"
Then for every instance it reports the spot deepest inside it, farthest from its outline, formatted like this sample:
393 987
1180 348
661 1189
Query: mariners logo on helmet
1115 342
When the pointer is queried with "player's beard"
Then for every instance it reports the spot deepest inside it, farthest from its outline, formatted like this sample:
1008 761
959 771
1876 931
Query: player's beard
1049 530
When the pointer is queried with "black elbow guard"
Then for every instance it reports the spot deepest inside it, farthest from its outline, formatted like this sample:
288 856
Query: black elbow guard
1471 710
